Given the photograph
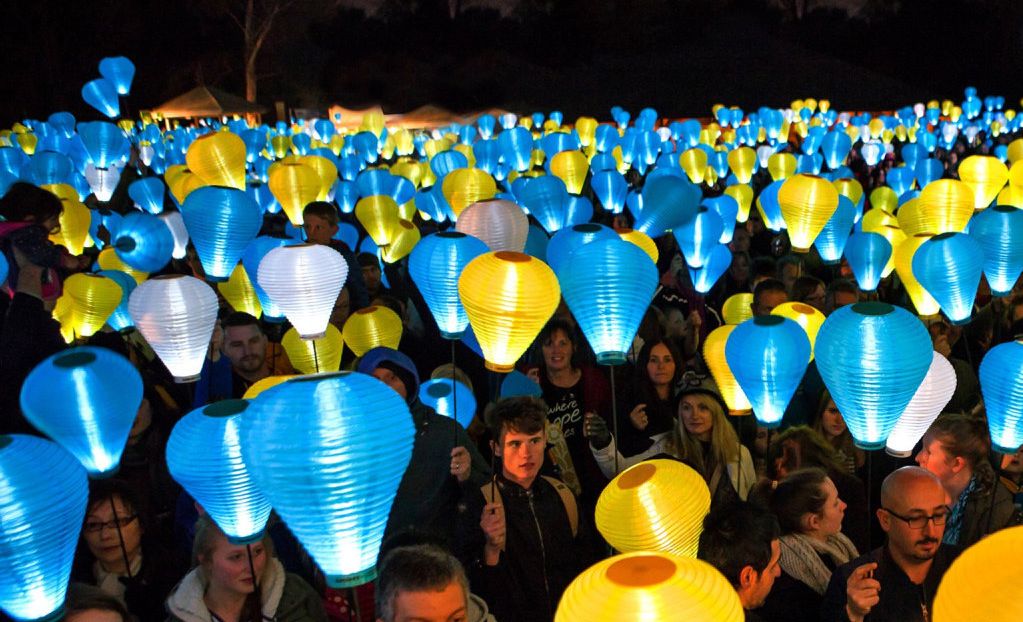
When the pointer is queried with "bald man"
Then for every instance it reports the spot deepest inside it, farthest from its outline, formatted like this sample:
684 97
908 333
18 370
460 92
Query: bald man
897 582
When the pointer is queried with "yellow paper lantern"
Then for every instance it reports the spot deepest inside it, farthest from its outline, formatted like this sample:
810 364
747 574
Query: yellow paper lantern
325 171
737 308
1011 195
876 126
466 150
743 195
262 385
239 292
884 198
809 318
435 146
924 303
983 583
742 161
877 218
728 386
1015 151
378 215
404 142
657 505
218 158
650 586
183 184
370 327
694 163
108 260
586 128
570 167
508 297
294 185
849 188
464 186
895 237
409 170
986 176
173 172
279 145
1016 172
807 203
93 298
74 226
641 240
62 313
373 121
781 165
311 356
945 205
404 237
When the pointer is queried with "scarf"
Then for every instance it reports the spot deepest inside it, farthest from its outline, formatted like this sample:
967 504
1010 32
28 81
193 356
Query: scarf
800 557
954 524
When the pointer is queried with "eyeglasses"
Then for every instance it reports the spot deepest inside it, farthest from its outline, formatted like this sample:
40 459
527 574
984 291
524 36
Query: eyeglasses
919 522
120 521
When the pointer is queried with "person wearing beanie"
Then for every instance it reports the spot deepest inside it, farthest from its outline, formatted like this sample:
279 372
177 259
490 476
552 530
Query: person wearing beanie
444 459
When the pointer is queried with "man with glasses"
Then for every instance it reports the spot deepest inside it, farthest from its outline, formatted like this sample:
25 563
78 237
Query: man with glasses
898 581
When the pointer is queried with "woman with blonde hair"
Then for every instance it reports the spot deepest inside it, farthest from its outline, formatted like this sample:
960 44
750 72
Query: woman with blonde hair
830 424
220 588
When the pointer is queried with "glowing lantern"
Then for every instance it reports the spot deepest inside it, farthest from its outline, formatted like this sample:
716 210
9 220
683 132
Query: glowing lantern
669 203
768 356
500 224
294 185
945 206
649 586
465 186
86 399
571 167
546 198
924 303
378 214
949 267
93 298
218 158
239 292
148 194
781 166
988 567
641 240
221 223
808 318
743 162
101 94
608 285
262 385
41 516
176 315
176 225
456 403
718 261
721 371
403 240
204 455
312 356
868 254
143 242
120 319
834 236
743 195
371 327
1001 382
324 473
74 227
872 357
694 163
737 308
999 231
304 281
699 237
435 265
508 298
807 203
564 242
985 176
930 399
254 253
325 170
657 505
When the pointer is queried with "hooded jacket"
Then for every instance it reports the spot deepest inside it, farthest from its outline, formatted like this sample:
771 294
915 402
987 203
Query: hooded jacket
428 494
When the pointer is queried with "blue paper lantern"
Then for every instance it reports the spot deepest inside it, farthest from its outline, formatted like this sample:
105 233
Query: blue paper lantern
119 71
347 233
516 148
833 237
868 254
768 356
49 167
536 243
545 198
1001 382
253 254
835 147
999 231
728 209
64 122
143 242
610 188
872 357
608 285
86 399
564 242
148 194
770 208
949 266
101 94
928 170
718 261
42 508
104 143
255 142
578 210
454 402
901 179
517 384
435 264
221 222
12 160
333 473
669 202
120 319
204 455
486 124
4 268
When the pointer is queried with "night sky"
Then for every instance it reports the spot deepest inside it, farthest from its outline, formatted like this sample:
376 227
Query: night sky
579 56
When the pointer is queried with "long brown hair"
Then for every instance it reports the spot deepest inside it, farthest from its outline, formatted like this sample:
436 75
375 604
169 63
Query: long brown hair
207 535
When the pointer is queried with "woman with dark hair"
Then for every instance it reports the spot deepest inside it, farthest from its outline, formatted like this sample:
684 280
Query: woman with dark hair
120 556
221 586
649 410
830 424
810 513
86 603
572 392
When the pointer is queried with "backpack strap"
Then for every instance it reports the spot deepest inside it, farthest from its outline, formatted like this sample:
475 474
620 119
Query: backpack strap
568 499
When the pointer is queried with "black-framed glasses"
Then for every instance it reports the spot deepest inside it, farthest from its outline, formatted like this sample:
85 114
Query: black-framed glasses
919 522
120 521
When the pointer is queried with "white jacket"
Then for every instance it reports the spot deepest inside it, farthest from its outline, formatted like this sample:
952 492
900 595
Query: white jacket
186 601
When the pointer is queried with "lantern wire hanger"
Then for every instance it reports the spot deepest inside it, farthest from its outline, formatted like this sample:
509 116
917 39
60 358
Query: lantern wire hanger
120 538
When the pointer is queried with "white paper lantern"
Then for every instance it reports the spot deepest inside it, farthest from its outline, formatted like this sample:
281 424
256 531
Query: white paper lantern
930 398
176 224
501 224
304 281
102 181
176 315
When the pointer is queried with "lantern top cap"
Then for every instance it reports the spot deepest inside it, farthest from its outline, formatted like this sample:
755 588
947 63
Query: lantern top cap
768 320
641 571
439 389
5 440
1005 208
74 359
926 234
225 408
588 227
943 236
512 256
635 477
167 277
873 308
803 308
317 377
366 310
451 234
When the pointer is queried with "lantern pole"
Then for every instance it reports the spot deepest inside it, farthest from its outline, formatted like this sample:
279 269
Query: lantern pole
316 357
120 537
870 477
614 416
256 596
454 393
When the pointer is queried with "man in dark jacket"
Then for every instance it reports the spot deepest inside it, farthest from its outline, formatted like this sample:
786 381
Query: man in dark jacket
897 582
528 543
444 459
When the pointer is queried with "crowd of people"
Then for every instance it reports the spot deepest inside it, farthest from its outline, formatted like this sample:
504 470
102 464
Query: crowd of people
494 521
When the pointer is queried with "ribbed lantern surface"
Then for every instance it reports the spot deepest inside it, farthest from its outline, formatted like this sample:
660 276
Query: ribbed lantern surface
176 315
